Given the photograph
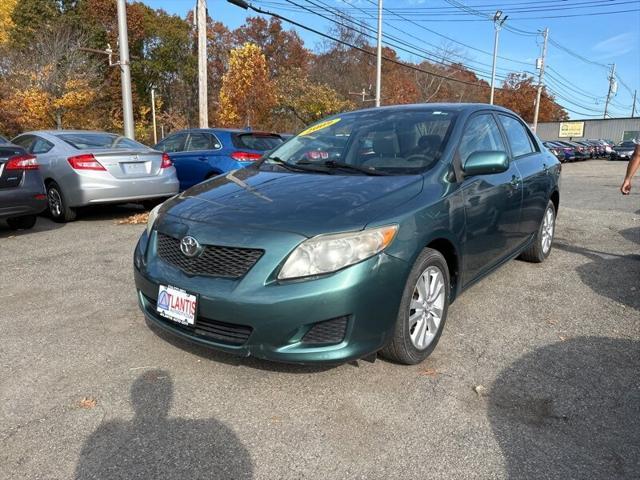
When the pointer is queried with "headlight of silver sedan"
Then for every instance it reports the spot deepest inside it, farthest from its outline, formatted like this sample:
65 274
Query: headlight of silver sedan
329 253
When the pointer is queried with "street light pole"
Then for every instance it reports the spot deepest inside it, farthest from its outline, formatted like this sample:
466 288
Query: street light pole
153 114
379 56
498 20
201 18
541 76
125 70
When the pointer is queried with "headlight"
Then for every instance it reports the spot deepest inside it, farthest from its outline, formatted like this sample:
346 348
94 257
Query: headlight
153 214
328 253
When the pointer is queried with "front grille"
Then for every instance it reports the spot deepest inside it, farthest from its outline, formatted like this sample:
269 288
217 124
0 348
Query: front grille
219 332
214 261
327 332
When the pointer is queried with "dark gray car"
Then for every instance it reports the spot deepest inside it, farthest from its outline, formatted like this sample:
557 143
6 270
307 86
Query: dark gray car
22 192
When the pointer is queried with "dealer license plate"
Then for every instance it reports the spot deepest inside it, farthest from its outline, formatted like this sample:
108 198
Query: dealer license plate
177 305
135 168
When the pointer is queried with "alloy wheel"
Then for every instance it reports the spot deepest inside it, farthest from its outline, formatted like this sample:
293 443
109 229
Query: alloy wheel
426 308
548 225
55 202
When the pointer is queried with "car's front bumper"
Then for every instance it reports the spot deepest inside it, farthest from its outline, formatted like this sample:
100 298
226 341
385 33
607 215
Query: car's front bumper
279 315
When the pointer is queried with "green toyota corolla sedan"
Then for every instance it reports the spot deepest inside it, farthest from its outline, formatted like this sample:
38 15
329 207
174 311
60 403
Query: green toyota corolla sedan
351 238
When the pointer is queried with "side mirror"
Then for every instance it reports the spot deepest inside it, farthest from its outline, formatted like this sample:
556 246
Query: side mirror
486 162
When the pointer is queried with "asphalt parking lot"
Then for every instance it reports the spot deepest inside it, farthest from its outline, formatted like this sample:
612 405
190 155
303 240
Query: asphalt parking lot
537 374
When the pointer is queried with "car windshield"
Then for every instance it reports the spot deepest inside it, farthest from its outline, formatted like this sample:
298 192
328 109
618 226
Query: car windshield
256 141
98 140
393 142
627 145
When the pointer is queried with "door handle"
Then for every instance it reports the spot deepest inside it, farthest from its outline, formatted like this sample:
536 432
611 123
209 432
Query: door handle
545 168
515 182
202 159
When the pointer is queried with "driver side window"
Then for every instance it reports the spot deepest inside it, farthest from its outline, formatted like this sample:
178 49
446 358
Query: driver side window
481 135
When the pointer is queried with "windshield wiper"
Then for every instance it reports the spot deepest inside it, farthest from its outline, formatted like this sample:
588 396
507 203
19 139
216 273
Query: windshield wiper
346 166
294 166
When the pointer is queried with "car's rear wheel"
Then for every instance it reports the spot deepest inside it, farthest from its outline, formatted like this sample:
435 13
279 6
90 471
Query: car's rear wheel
21 223
58 208
540 249
423 310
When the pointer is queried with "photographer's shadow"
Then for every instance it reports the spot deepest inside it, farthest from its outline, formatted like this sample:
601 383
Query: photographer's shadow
153 445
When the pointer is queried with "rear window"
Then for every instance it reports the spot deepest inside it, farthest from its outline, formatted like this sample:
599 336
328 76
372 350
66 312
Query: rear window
628 145
256 141
98 141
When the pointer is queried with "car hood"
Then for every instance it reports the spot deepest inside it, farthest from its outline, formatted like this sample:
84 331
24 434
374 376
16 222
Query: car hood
304 203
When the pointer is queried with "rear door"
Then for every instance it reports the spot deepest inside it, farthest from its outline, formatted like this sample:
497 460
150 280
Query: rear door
197 161
535 167
492 202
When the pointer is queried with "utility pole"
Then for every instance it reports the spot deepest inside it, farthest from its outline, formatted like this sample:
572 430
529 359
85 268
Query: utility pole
153 114
201 19
498 21
612 79
633 106
125 70
379 56
545 34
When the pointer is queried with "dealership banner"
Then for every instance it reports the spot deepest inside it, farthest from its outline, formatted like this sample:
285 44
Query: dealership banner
571 129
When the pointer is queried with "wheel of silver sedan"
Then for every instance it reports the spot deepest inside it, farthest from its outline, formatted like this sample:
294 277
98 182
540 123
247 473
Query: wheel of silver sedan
55 202
426 307
548 226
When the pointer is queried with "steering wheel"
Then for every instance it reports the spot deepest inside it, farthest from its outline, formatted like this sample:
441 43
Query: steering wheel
417 157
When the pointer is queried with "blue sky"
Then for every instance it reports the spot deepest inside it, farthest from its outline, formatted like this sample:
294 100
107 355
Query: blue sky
580 86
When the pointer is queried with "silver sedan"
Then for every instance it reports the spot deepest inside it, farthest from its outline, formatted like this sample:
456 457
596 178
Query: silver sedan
83 168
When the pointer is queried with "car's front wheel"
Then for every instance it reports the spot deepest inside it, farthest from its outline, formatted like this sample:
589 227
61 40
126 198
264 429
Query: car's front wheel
21 223
540 249
423 310
58 208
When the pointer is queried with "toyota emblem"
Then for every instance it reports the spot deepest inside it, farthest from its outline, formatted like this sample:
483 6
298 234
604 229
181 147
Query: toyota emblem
189 246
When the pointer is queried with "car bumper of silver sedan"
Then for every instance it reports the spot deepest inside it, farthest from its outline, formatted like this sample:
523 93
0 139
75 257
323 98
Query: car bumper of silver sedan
88 190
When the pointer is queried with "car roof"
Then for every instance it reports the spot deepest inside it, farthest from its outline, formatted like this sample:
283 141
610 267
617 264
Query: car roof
460 107
54 132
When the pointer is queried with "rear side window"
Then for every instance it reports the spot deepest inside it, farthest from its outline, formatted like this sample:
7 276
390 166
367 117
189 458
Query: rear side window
201 141
24 141
173 143
481 134
517 135
40 145
256 141
3 140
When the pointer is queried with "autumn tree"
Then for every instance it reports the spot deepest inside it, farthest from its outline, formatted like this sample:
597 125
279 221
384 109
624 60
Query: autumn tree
52 82
518 93
247 94
6 22
282 48
301 101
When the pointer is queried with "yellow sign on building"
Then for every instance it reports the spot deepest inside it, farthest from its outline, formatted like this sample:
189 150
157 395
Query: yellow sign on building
571 129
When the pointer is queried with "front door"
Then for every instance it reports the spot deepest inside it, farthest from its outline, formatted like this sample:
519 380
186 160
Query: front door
492 202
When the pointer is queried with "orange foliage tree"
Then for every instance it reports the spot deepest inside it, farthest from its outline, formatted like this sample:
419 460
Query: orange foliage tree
247 94
518 93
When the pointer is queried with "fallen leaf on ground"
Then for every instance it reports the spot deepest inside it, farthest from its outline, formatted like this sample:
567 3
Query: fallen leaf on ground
88 402
480 390
552 322
562 339
136 219
428 372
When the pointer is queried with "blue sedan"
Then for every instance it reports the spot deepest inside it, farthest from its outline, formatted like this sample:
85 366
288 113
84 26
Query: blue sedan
199 154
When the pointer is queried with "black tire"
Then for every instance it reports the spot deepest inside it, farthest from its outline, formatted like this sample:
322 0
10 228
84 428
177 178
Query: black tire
58 209
536 252
401 348
21 223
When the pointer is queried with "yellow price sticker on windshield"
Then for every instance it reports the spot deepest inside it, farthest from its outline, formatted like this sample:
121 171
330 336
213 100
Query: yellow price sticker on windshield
319 126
